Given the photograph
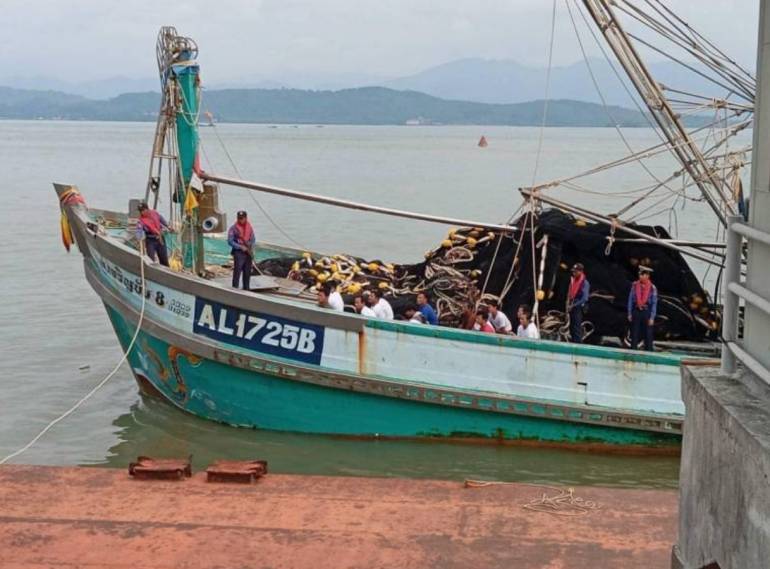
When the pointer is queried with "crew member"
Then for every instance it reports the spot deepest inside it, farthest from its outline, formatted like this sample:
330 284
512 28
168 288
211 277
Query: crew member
427 311
330 298
577 299
482 322
527 328
241 239
642 308
414 316
381 307
359 303
149 227
498 319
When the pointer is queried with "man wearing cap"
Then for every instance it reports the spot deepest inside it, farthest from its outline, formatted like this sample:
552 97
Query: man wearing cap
241 239
577 298
642 308
149 227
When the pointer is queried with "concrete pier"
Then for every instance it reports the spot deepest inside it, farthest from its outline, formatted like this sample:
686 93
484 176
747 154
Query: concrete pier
101 518
725 494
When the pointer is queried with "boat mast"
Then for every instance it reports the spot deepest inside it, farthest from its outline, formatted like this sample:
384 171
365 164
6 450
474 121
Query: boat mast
177 132
683 147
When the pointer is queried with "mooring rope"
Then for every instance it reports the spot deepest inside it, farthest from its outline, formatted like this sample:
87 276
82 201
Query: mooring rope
104 381
565 503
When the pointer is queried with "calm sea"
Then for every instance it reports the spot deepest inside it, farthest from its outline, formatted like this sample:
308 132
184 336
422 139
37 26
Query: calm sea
57 343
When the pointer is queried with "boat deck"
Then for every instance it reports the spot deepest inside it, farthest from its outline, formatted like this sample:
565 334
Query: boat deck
101 518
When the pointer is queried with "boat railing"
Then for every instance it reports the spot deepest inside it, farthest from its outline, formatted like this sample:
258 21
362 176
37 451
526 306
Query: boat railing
740 348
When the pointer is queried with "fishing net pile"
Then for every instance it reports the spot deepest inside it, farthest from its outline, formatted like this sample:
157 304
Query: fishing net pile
473 264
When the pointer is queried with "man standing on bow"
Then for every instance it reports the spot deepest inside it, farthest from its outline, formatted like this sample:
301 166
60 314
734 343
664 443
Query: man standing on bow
577 298
241 239
149 227
642 308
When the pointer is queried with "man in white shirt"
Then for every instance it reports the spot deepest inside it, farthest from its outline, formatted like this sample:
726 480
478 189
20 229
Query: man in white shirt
381 307
330 298
362 309
526 328
498 319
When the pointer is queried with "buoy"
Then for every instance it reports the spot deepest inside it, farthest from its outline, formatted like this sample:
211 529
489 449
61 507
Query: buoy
483 142
446 243
374 267
540 294
354 288
384 285
470 242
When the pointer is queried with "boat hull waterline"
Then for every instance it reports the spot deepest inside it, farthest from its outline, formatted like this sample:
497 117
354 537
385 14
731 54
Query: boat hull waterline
254 360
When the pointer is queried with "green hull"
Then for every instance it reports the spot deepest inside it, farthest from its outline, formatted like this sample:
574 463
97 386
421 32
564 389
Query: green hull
240 397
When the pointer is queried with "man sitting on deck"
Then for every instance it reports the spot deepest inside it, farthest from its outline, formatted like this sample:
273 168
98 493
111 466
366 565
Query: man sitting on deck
482 322
527 328
241 239
359 303
427 311
381 307
642 308
149 227
498 319
330 298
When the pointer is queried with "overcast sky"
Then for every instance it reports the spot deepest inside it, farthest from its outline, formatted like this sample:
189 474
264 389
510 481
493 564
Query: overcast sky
80 40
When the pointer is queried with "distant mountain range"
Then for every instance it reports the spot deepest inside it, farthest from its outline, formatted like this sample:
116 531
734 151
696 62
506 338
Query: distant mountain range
365 106
506 81
478 80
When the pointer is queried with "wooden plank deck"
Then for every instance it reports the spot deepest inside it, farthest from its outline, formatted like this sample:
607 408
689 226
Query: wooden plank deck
101 518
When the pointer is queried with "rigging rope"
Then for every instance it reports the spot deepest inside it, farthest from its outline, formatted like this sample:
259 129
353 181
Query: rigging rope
251 195
547 94
103 382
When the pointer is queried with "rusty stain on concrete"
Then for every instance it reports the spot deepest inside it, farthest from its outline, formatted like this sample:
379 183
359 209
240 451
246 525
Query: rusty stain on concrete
101 518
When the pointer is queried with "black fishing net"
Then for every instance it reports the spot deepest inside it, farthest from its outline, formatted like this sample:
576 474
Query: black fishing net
474 264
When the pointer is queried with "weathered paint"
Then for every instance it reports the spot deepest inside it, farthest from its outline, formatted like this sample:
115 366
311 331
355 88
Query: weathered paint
260 399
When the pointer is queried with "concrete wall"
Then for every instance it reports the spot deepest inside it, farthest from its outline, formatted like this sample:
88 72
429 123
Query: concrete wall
724 504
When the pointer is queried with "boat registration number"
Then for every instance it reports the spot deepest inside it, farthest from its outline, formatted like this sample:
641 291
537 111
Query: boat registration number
259 332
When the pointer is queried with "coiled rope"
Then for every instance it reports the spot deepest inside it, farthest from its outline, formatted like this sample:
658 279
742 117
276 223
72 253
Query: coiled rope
564 503
103 382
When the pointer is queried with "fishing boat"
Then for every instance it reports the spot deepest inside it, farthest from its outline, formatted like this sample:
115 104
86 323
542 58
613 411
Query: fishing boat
271 358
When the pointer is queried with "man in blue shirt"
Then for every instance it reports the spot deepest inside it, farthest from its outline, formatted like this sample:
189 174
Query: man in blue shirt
423 303
577 299
642 308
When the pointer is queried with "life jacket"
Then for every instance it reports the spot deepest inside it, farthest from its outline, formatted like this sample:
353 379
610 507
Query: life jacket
245 232
150 220
575 285
642 293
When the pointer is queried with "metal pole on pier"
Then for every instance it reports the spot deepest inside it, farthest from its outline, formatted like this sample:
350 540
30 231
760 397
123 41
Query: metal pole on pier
757 321
730 302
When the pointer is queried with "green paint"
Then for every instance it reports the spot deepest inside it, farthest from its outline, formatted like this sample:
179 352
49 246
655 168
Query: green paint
251 398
